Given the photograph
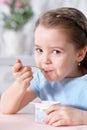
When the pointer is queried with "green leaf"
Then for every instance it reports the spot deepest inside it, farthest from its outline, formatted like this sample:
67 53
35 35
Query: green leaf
18 16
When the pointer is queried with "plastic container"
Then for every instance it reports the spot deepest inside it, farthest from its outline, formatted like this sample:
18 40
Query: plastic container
40 110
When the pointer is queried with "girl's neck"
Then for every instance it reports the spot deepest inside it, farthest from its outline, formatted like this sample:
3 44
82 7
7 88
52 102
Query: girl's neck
78 73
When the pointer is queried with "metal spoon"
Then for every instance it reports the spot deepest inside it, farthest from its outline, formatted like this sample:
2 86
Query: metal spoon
32 66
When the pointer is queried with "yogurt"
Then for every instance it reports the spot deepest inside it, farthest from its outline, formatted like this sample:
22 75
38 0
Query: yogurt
40 110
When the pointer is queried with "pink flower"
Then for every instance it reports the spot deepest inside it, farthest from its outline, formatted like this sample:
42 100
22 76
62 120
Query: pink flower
5 1
18 4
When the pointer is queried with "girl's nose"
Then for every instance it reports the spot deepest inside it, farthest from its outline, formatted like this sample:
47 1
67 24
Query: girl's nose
46 59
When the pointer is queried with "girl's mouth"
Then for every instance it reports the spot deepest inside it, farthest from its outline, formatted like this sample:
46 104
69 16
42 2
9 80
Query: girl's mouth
47 70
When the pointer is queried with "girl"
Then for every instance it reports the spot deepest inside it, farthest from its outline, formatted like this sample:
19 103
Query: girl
61 55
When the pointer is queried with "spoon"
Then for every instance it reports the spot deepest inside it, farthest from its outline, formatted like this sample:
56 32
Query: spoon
32 66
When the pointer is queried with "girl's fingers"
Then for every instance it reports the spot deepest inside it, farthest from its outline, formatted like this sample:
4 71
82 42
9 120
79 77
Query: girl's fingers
24 80
18 61
53 108
52 117
26 75
59 123
18 66
22 71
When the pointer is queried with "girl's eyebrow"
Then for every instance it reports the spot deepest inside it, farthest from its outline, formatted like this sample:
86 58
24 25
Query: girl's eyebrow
56 47
36 45
51 47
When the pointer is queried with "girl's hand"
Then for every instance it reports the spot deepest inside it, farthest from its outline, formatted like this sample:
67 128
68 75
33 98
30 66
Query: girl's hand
23 74
62 116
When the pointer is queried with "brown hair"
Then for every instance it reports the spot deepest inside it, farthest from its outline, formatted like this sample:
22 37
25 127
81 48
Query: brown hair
73 21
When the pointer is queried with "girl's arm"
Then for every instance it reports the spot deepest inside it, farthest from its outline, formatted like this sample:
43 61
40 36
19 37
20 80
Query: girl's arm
14 99
19 94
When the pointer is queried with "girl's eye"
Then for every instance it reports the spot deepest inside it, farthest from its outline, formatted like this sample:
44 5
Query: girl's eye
38 50
56 52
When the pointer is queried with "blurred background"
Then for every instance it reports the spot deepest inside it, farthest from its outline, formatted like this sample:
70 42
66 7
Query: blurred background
17 20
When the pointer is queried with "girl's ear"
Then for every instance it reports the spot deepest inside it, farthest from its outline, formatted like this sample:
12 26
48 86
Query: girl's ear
81 54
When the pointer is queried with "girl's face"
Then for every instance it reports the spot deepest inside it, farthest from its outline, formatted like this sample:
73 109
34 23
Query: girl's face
54 54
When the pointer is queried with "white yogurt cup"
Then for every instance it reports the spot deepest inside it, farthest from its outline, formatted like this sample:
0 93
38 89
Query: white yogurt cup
40 110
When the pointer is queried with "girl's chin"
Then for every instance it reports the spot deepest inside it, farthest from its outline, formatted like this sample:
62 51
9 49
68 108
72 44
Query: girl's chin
49 78
52 80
